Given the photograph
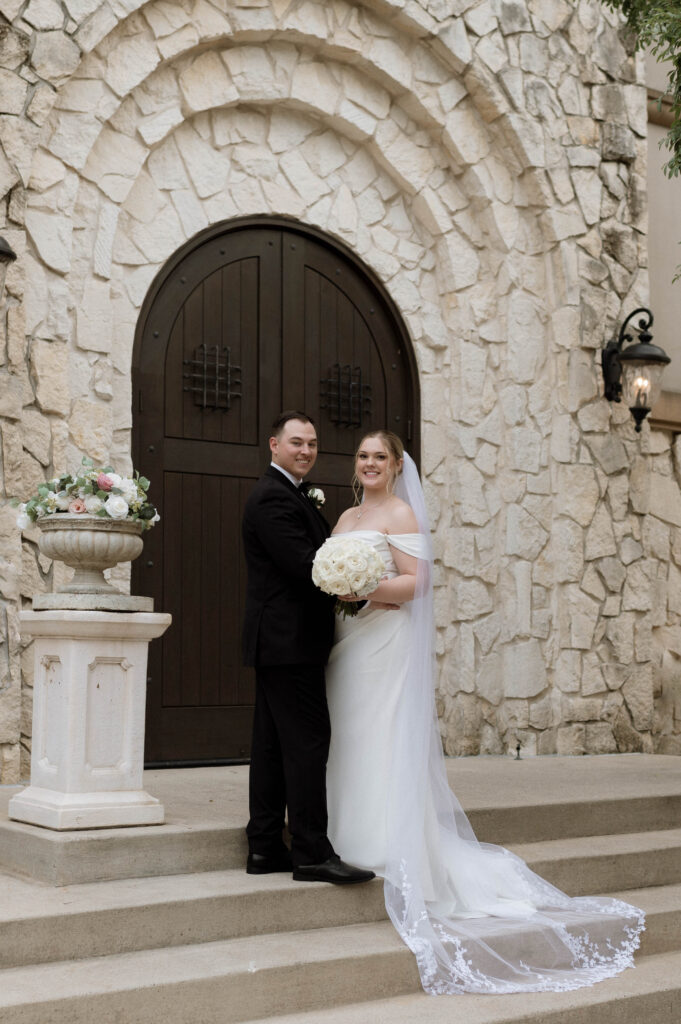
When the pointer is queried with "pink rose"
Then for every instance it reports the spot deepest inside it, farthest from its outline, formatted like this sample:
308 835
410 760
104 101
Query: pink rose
77 505
104 482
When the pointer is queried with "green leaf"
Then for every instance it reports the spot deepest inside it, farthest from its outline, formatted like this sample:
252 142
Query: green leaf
144 483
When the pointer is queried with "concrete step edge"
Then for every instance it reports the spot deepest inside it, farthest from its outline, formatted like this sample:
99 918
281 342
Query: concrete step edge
650 992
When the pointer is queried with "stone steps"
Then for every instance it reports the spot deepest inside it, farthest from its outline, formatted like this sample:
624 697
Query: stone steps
650 993
229 980
508 802
40 924
150 946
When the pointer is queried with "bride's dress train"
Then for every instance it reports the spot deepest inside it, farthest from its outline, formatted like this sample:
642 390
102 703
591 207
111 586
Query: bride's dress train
476 917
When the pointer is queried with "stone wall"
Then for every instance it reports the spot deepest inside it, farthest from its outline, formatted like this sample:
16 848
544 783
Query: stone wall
487 160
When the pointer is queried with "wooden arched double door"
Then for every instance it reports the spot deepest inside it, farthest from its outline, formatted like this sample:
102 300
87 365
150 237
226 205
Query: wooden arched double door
250 318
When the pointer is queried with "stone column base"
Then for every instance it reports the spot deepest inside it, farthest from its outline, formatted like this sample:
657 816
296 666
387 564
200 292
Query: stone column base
62 811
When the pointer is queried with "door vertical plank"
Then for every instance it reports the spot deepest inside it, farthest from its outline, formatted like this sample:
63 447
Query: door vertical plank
192 542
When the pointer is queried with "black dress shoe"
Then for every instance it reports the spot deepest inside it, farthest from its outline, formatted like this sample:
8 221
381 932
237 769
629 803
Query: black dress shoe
332 870
261 864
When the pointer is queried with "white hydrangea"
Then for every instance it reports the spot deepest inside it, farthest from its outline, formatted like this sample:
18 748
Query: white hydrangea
93 504
347 565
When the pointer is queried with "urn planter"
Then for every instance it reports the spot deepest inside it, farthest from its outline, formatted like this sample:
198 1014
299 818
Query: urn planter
89 544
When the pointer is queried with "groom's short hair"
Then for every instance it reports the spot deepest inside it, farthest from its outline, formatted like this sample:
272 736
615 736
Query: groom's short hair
290 414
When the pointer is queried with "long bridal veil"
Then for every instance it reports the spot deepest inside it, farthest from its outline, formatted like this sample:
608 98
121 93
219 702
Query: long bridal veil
475 916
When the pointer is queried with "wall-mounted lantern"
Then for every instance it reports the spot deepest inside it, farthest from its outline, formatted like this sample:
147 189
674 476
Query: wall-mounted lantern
635 372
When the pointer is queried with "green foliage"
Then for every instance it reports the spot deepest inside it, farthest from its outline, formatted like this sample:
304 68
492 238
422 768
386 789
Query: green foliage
657 24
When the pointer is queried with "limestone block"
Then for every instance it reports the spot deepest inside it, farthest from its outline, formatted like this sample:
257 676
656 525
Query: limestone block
164 19
20 139
459 550
600 539
525 138
568 671
599 738
571 740
13 91
618 143
637 594
665 498
73 137
564 438
465 135
656 538
578 616
309 185
205 83
51 235
594 418
37 437
490 679
561 223
10 712
470 495
11 396
55 57
488 97
430 209
591 584
104 241
613 573
580 709
253 74
452 41
90 427
411 164
639 698
207 168
567 550
49 367
620 633
524 669
588 189
114 163
524 535
627 738
155 127
578 493
526 338
94 326
471 599
457 261
131 62
365 93
513 17
166 167
524 449
640 486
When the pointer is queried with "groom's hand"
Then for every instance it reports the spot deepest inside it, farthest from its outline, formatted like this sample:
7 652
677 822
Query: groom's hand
384 605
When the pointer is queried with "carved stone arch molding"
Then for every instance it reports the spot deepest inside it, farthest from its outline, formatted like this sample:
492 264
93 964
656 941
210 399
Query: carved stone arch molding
249 317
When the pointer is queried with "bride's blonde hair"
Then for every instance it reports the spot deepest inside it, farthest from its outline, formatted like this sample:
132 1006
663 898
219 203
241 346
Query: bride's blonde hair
396 449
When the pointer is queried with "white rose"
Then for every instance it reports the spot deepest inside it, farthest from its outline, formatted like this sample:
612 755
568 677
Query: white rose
23 522
93 504
116 506
115 479
62 501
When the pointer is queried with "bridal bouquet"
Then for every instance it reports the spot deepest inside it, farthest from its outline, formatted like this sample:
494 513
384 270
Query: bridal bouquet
92 491
347 565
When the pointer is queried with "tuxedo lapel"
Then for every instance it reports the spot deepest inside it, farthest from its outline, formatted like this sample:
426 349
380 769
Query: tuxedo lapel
319 526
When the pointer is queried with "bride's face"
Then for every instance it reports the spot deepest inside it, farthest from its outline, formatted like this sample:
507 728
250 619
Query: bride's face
375 466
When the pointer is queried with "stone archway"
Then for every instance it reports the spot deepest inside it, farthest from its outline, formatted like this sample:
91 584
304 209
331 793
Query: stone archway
249 317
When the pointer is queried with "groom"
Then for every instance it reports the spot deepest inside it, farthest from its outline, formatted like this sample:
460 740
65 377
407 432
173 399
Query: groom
288 633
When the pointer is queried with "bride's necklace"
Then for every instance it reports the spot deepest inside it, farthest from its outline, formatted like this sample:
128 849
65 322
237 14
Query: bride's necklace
368 508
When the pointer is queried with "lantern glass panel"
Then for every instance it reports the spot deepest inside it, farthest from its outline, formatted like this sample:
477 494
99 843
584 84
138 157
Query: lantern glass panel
641 383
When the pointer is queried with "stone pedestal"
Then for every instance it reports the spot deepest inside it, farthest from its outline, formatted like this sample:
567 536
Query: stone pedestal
88 719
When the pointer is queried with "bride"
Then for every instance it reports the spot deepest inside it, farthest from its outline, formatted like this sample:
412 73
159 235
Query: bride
475 916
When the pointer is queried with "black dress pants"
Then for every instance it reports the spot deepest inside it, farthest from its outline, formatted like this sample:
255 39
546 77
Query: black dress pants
291 734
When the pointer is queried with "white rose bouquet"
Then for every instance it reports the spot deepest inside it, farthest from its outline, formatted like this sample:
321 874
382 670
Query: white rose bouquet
347 565
92 491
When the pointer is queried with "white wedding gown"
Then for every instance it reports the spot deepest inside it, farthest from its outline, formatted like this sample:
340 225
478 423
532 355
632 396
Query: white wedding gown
476 917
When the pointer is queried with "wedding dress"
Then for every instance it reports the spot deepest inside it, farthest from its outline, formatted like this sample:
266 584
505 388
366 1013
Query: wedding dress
475 916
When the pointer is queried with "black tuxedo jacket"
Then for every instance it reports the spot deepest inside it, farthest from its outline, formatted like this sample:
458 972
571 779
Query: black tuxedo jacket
288 621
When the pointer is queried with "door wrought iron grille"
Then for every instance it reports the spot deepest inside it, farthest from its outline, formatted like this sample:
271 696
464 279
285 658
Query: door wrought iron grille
344 396
211 378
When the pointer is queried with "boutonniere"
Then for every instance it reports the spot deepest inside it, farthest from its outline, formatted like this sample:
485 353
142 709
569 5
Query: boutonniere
316 496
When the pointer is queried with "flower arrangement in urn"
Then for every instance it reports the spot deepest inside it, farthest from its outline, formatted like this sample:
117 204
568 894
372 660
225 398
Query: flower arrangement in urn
93 491
91 520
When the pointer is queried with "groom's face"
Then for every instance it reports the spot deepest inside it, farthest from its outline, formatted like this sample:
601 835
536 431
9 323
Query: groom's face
295 449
